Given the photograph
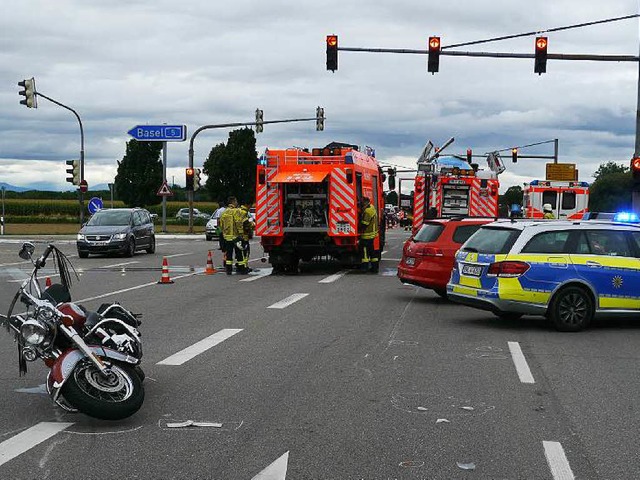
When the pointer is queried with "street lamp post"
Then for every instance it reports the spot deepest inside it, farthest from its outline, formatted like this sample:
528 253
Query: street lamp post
2 218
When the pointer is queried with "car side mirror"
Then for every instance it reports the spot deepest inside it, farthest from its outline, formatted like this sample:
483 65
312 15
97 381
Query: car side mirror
26 252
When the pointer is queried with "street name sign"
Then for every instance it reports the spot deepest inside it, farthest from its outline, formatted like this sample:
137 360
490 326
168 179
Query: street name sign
159 133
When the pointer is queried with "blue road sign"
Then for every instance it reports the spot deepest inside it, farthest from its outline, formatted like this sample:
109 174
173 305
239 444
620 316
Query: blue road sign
94 205
159 133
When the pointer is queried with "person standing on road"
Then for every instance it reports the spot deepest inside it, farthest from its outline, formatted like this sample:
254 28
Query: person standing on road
231 231
548 212
247 233
368 234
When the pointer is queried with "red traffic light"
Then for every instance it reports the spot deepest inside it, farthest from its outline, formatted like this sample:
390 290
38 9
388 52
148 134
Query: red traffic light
434 43
514 155
189 171
469 155
541 43
635 163
332 52
433 58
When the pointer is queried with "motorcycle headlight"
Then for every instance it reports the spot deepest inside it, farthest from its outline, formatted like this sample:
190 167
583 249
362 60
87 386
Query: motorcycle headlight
34 332
80 236
120 236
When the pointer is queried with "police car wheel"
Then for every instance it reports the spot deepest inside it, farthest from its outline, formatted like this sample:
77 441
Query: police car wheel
571 310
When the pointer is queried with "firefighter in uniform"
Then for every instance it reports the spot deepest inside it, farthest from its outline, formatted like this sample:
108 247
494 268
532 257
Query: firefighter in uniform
231 230
247 232
368 235
548 212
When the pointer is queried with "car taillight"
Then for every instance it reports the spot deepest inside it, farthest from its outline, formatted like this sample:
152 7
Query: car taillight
507 269
431 252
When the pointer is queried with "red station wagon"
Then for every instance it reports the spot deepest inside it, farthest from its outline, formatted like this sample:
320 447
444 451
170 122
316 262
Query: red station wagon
428 256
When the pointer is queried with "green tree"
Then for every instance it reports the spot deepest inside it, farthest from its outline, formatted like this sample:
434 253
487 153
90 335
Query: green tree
611 190
512 195
231 168
609 168
139 174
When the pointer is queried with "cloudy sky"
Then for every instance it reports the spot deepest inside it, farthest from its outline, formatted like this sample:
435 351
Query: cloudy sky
197 62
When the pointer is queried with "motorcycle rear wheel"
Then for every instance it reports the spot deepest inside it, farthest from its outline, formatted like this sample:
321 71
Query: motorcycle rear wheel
113 397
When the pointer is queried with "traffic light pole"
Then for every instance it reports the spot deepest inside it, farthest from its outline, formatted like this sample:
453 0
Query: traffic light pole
80 193
635 189
227 125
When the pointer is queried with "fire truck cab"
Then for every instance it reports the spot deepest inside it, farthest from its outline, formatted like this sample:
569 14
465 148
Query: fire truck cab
452 187
307 203
568 200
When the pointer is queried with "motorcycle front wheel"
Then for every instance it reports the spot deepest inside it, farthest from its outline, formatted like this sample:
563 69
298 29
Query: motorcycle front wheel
113 396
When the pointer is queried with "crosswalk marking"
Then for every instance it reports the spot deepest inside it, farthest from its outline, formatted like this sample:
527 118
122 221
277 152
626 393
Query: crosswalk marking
202 346
11 448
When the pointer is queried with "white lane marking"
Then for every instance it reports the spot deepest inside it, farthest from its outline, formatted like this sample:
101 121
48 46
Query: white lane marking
288 301
391 259
276 471
115 265
26 262
383 252
557 460
334 277
521 363
197 348
177 255
137 287
9 449
264 272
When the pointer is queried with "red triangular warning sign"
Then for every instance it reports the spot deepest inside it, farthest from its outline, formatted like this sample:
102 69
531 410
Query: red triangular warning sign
164 190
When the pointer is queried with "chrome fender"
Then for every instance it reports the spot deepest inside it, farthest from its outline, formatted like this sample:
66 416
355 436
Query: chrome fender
66 362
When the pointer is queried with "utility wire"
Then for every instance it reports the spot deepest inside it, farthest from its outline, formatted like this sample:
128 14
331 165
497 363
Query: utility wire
557 29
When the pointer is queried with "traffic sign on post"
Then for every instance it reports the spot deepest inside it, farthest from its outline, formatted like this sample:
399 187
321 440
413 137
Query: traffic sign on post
94 205
561 172
164 190
84 186
159 133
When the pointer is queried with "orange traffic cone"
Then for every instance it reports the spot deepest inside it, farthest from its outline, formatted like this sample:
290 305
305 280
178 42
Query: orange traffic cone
47 282
165 272
210 270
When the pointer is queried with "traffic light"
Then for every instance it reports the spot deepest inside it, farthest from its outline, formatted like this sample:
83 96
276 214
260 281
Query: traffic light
332 52
469 155
29 92
259 120
433 61
514 155
540 65
319 119
392 178
189 179
196 179
635 170
74 171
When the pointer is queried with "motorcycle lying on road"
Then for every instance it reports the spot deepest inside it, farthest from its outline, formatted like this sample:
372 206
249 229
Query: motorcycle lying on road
93 357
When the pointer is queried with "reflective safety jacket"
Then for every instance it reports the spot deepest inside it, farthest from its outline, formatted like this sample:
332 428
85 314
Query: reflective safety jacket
369 221
548 216
247 224
231 224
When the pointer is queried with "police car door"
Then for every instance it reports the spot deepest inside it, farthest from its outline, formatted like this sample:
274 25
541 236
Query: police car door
604 258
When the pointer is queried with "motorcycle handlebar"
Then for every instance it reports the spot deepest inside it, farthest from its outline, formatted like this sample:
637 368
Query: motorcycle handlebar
42 261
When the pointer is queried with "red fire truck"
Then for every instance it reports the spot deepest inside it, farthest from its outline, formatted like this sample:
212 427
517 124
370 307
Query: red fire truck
307 203
568 200
449 187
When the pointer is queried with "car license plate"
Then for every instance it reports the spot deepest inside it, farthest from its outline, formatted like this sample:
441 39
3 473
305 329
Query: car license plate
410 261
99 244
474 270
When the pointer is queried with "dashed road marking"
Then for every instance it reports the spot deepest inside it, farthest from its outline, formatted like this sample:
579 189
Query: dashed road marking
334 277
17 445
521 363
557 460
202 346
288 301
264 272
178 255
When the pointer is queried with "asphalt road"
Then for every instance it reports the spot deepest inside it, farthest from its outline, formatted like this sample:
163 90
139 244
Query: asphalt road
326 375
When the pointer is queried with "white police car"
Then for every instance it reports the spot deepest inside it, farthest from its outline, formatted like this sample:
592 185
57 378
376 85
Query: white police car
568 271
